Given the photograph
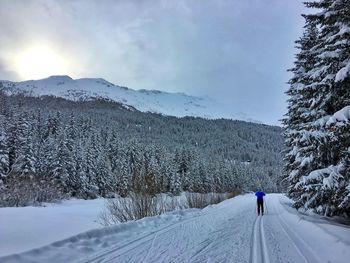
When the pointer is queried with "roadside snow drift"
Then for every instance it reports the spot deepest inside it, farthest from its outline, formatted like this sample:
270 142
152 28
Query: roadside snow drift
24 228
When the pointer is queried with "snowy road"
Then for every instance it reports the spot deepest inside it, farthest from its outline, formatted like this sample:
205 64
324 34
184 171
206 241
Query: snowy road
228 232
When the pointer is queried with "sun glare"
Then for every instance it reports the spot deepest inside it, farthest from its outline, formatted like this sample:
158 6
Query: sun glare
40 62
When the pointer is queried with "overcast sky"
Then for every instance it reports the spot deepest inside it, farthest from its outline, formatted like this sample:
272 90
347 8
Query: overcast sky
235 51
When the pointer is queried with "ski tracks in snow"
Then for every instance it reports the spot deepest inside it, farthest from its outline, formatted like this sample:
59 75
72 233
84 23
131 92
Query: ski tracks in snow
260 249
154 243
212 240
226 232
216 235
110 255
259 252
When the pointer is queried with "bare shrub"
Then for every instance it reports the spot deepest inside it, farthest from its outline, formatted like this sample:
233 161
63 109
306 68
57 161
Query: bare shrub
136 206
199 200
24 190
166 203
234 193
140 205
196 200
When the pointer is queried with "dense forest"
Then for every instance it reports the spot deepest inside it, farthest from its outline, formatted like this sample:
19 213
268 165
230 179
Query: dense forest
51 148
317 125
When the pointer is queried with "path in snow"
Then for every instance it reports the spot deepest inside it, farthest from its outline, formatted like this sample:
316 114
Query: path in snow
259 252
228 232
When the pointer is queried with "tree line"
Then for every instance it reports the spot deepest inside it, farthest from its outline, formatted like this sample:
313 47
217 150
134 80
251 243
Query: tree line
51 148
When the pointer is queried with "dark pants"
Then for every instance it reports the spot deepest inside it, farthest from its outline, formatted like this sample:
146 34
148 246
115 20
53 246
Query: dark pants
260 206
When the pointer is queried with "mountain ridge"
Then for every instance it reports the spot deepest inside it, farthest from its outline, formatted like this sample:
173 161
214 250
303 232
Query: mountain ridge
166 103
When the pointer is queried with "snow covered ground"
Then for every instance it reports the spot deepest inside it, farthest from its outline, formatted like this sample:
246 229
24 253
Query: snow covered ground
24 228
228 232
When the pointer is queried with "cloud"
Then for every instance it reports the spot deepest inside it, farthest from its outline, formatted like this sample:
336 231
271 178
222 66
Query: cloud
6 74
234 51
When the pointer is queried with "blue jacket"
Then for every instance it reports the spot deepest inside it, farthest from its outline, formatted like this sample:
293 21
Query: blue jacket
260 195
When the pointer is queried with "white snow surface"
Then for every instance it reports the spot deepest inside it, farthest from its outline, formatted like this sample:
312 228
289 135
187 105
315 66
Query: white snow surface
25 228
228 232
172 104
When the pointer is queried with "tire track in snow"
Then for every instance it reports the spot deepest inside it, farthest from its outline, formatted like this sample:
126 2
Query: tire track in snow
259 252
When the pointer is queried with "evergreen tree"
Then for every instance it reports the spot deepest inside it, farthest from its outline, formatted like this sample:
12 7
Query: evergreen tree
4 155
92 155
63 166
316 139
104 180
299 144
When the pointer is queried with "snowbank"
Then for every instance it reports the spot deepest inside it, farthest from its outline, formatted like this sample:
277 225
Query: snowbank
24 228
86 243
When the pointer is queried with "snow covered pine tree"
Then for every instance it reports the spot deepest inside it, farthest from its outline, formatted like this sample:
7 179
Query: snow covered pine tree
317 124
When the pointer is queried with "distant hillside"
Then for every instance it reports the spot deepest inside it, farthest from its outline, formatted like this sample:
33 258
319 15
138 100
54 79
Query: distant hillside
52 147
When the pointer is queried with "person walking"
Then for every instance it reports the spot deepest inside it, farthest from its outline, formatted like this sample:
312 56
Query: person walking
260 201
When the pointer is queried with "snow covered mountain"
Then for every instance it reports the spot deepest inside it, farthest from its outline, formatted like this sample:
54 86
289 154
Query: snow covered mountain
173 104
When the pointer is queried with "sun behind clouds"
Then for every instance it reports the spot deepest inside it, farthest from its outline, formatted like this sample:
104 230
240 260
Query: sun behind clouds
40 61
